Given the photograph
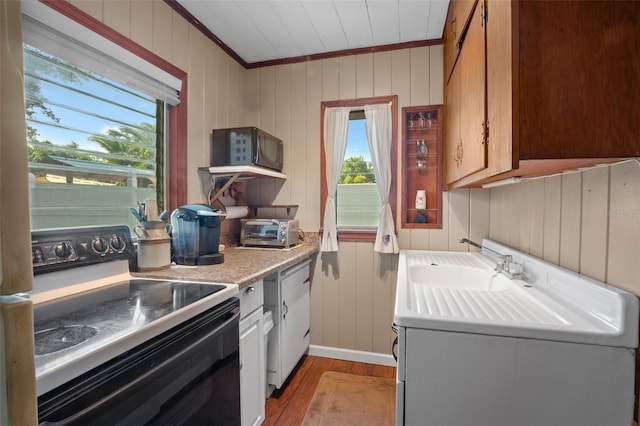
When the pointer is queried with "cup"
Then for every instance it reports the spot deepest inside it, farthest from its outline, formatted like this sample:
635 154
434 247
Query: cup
421 164
431 120
421 147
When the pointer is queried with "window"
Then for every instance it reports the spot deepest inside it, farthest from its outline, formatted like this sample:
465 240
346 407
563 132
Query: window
96 140
357 198
356 215
92 144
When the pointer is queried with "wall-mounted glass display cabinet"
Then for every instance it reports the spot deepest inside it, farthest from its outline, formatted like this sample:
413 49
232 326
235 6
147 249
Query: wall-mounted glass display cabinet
422 167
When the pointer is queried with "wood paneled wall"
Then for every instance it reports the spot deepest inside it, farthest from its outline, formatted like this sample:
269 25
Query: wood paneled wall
587 221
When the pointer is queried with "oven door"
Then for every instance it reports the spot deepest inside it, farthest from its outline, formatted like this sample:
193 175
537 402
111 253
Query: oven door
187 375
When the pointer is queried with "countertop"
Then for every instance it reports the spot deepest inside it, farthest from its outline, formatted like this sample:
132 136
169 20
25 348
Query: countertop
242 265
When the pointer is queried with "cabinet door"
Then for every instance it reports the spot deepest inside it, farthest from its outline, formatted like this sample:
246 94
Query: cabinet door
449 40
252 382
455 25
472 72
294 316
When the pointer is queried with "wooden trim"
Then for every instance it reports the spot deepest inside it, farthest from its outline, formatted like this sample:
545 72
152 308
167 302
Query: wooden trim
204 30
296 59
177 151
347 234
177 142
346 52
357 236
530 169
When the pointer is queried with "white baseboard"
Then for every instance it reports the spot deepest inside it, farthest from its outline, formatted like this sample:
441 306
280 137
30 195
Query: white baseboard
352 355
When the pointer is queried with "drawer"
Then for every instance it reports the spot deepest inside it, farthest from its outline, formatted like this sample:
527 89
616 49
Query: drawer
251 298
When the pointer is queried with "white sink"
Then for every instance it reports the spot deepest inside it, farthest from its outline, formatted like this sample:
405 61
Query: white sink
461 291
455 277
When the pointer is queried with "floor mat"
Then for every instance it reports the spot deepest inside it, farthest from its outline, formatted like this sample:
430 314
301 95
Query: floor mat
349 399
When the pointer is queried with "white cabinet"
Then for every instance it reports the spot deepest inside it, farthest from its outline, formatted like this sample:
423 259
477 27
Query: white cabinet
286 294
455 378
252 362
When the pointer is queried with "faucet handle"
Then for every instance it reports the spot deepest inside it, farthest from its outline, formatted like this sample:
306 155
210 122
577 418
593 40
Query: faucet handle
505 261
515 268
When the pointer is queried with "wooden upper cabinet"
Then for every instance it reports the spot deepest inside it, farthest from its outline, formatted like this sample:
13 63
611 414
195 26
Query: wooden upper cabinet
465 99
561 87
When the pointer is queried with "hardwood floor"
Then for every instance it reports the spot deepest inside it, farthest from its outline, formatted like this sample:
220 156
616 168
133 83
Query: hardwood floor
288 405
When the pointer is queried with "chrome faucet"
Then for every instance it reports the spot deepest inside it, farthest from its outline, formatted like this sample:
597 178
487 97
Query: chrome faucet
505 265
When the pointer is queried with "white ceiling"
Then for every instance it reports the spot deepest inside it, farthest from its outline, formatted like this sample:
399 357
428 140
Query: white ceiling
266 30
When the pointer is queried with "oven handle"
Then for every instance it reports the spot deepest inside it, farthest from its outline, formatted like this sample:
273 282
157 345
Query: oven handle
132 387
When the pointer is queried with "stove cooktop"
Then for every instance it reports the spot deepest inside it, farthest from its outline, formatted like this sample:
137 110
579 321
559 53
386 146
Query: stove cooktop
79 332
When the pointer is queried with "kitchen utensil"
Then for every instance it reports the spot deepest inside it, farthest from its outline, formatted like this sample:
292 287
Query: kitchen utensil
142 210
151 208
137 215
164 216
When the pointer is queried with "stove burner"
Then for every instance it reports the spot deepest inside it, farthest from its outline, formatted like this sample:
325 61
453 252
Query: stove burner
59 338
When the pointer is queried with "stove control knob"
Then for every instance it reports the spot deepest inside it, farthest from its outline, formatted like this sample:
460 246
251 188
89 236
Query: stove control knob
117 243
37 256
100 245
63 250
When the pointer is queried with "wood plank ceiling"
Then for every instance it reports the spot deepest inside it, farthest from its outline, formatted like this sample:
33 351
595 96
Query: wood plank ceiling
271 31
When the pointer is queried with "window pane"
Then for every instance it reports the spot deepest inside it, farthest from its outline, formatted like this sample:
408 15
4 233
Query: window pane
357 199
91 142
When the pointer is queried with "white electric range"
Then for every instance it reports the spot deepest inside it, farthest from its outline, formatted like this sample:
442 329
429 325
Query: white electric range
105 339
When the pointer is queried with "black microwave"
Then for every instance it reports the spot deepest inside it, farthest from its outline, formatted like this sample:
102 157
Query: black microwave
245 146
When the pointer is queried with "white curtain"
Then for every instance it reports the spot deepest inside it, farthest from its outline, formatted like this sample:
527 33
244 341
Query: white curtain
379 132
336 126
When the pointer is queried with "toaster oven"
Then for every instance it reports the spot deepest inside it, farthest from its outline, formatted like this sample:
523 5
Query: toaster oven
269 233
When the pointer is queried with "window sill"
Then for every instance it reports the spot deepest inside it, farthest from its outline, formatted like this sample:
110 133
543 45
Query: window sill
358 235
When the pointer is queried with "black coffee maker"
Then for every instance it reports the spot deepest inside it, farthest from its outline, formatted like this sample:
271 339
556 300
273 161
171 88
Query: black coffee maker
195 235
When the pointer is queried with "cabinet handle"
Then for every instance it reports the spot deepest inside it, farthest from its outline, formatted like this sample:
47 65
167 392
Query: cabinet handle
458 154
250 290
285 308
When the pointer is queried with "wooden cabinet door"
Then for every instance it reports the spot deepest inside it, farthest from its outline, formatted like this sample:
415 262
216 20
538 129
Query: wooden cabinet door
457 18
472 70
449 40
